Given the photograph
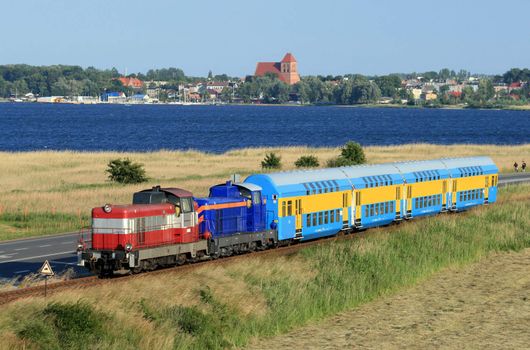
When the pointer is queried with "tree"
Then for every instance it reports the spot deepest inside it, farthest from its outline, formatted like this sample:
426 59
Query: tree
389 84
124 171
307 162
271 161
485 90
365 92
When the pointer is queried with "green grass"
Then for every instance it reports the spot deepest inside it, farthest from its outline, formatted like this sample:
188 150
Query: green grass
23 224
336 276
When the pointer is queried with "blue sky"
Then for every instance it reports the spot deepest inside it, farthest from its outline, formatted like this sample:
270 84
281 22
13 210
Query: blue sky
326 37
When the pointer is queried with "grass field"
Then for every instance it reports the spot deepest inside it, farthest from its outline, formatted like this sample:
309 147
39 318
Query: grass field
49 192
227 305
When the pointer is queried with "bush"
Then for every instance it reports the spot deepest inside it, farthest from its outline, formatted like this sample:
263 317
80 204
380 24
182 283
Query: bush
307 162
271 161
124 171
337 162
353 153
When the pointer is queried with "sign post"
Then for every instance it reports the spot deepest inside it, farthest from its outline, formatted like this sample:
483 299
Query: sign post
46 271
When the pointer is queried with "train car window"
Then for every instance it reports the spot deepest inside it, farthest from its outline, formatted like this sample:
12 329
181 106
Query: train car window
284 208
308 220
331 216
392 207
337 215
289 208
326 190
358 198
372 209
320 218
314 219
326 217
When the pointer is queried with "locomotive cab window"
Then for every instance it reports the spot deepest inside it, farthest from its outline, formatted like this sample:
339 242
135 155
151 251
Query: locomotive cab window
187 205
256 197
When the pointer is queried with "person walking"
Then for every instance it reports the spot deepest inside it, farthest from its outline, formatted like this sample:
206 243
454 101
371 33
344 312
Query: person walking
523 167
515 166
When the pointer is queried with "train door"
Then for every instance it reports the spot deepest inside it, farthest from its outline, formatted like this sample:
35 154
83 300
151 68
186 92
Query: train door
409 200
345 209
298 214
398 202
444 195
358 210
453 194
487 187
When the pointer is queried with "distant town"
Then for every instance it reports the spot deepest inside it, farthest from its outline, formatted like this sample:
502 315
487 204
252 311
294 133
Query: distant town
271 83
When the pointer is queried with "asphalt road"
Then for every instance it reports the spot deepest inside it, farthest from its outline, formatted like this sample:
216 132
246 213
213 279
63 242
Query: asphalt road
26 256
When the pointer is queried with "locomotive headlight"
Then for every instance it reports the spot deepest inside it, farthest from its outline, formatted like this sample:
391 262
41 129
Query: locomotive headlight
79 247
107 208
128 247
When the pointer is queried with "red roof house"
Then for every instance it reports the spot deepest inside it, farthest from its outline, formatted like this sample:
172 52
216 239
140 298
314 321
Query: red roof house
135 83
286 69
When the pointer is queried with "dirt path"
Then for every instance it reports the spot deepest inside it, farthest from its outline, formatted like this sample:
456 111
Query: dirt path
485 305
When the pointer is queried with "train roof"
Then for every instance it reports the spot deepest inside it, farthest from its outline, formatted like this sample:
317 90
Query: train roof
345 175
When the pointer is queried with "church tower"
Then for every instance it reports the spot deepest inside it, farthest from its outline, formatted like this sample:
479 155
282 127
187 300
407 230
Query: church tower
288 70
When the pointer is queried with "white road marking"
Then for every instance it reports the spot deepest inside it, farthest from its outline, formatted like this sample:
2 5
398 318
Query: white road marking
37 256
45 245
63 263
6 256
21 271
21 249
72 243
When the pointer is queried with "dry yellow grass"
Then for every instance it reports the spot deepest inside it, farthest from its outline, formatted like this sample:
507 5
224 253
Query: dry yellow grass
73 182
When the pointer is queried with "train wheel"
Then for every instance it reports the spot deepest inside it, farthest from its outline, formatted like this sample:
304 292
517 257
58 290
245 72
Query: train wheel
181 259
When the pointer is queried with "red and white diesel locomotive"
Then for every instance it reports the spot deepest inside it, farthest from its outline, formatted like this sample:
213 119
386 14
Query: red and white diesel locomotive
161 223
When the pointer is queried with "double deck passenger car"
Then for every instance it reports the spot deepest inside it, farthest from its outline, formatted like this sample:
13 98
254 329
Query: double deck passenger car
315 203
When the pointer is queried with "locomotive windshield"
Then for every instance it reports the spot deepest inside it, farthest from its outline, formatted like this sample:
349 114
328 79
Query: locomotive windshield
149 198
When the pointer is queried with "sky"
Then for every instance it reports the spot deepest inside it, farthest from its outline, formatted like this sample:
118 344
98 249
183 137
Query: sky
371 37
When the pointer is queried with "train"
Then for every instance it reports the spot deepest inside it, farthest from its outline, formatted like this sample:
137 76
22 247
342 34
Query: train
169 226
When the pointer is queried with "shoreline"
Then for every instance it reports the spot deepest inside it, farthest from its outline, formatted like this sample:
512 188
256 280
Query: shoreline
367 105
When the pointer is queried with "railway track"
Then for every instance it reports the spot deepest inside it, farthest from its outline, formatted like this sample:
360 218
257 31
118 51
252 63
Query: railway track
12 295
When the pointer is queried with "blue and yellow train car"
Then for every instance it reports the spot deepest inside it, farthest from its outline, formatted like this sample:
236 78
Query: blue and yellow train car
316 203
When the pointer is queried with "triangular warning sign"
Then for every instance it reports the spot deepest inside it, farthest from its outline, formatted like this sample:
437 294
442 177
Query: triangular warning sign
46 269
